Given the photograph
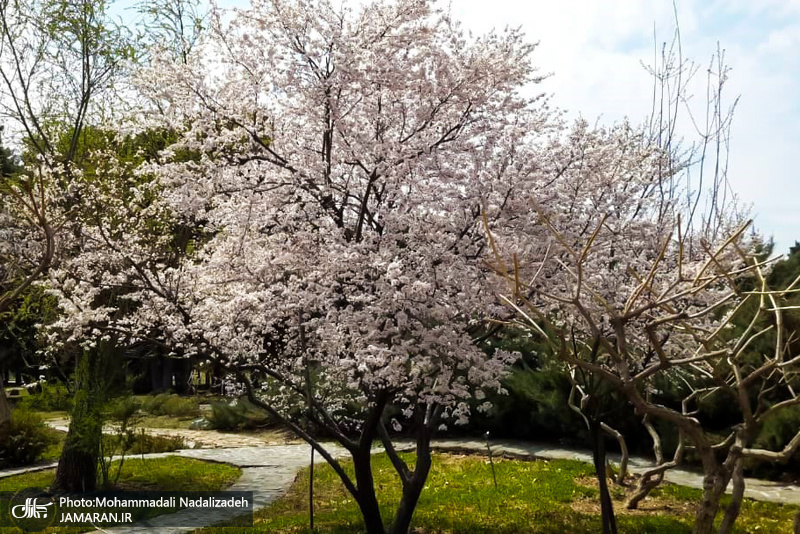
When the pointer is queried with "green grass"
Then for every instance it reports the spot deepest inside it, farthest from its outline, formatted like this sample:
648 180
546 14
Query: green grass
172 473
755 516
37 479
169 404
53 451
460 498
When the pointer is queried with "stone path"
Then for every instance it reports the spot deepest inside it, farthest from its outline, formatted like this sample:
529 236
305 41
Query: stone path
268 471
28 469
203 438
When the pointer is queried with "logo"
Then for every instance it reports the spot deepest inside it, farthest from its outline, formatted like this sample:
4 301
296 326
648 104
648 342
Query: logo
32 510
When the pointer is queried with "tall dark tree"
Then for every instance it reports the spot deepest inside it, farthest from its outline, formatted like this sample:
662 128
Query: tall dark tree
59 61
9 167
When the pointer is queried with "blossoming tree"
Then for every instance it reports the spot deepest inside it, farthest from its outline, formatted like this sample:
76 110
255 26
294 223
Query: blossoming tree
331 169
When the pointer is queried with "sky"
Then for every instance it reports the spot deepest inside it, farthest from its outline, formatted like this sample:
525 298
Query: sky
594 51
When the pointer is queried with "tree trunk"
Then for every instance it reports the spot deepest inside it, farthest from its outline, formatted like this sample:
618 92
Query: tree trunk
732 511
714 485
411 492
599 458
623 447
366 498
5 414
77 467
647 483
653 477
707 510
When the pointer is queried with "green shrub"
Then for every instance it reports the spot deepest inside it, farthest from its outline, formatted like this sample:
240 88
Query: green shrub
777 432
147 444
123 409
28 439
238 414
173 405
154 404
123 414
779 429
54 397
535 407
181 407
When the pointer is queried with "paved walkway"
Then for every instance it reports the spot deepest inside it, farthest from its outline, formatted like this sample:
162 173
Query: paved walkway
204 439
268 470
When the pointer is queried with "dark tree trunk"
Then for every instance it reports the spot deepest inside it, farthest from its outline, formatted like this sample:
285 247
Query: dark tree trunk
5 414
182 373
77 467
366 498
411 492
704 519
599 459
167 378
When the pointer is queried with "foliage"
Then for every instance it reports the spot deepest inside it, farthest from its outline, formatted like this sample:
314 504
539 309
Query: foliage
144 443
28 439
123 414
779 429
170 404
534 408
19 325
173 26
776 433
235 415
54 397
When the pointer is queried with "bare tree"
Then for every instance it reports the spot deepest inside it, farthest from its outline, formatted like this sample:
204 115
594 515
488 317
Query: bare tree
175 25
681 314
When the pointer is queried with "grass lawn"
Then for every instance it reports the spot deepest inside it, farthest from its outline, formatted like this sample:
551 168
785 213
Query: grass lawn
172 473
532 497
